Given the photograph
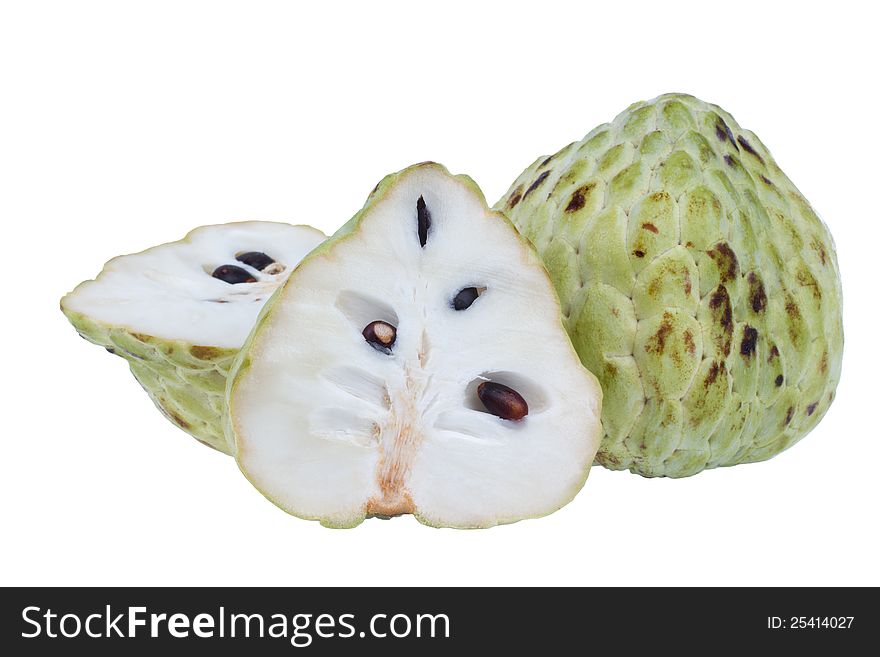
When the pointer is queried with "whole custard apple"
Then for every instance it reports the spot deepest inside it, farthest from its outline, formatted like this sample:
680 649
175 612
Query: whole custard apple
697 283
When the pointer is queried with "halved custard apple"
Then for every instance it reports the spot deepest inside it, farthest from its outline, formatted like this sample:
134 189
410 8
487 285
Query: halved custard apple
416 363
179 312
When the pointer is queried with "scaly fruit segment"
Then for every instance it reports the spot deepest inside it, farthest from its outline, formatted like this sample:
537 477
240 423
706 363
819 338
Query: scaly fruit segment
696 282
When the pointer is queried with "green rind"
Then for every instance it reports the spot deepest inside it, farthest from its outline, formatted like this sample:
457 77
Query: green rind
186 382
637 224
242 361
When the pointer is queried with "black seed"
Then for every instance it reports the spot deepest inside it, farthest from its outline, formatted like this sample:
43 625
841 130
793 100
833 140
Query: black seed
779 380
502 401
255 259
424 218
380 335
465 298
233 274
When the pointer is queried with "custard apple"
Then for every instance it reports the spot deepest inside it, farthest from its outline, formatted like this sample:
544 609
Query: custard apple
696 282
179 312
416 363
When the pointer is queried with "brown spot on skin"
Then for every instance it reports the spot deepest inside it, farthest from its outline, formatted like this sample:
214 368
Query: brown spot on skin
659 196
615 312
651 227
540 179
816 245
714 370
110 349
579 197
788 415
791 308
719 297
140 337
805 279
545 162
723 132
657 343
719 302
774 353
639 254
779 380
204 353
749 341
515 197
823 363
757 296
689 342
747 147
725 260
766 180
687 282
812 407
730 160
179 421
689 244
608 459
610 369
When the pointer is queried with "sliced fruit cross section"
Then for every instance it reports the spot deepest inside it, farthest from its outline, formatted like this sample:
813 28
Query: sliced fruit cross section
416 363
179 312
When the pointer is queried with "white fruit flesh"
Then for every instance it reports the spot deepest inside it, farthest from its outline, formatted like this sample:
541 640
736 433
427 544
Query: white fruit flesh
168 291
330 428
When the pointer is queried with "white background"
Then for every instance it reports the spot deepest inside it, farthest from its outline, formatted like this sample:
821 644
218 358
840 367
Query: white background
126 124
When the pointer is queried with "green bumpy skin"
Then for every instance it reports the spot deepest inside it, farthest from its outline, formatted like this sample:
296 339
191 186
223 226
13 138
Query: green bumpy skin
186 382
697 283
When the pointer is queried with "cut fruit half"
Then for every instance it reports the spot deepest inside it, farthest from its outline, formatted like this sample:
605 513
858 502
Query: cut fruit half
179 312
416 363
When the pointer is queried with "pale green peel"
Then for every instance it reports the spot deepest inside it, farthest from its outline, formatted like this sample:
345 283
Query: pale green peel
186 382
698 284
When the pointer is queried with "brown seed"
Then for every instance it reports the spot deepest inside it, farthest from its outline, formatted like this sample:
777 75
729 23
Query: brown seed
233 274
502 401
381 335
